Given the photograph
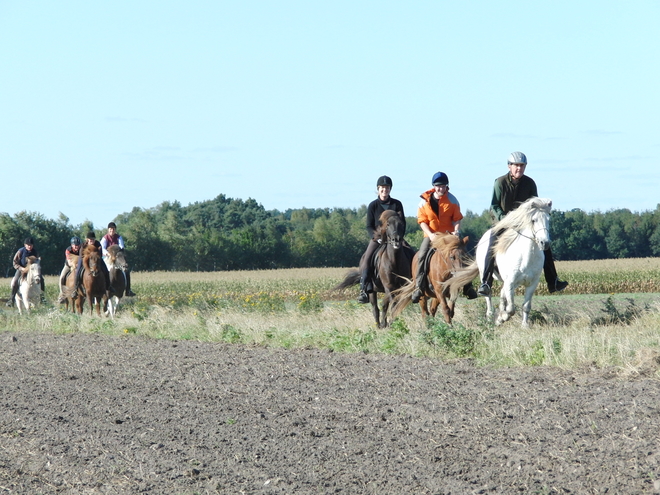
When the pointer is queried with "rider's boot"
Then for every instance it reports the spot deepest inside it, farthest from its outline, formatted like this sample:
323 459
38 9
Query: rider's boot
469 292
363 298
489 267
128 290
550 272
421 269
78 274
14 291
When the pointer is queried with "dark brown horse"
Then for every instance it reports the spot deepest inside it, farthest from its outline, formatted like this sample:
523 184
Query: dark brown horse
93 280
391 265
449 255
116 262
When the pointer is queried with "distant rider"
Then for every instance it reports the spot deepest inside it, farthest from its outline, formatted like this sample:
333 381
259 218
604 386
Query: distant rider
91 241
112 238
20 261
73 249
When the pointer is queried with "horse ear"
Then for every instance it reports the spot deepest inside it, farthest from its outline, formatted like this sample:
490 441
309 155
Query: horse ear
466 239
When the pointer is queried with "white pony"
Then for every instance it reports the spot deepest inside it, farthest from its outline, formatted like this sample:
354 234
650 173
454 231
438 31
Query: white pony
29 286
519 257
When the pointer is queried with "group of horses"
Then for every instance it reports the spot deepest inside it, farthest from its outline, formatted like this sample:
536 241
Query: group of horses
518 251
92 285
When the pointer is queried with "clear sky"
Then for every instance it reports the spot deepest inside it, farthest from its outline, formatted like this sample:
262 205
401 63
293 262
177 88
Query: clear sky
105 106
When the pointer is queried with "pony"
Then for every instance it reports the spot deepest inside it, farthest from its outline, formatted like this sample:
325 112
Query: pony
391 265
69 286
29 285
116 262
524 234
93 280
448 255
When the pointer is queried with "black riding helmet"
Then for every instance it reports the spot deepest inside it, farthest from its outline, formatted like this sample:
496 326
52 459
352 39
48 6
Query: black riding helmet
384 181
29 241
75 240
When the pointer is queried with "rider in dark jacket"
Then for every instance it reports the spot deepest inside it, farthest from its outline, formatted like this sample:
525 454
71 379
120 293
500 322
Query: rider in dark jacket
20 261
382 203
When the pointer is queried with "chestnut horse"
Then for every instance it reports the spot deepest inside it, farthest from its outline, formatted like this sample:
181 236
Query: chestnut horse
116 262
391 265
447 256
71 303
93 279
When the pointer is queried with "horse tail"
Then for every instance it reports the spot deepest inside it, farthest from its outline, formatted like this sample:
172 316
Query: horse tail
402 297
352 278
459 279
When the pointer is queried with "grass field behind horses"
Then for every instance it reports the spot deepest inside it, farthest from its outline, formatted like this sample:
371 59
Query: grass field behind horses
608 316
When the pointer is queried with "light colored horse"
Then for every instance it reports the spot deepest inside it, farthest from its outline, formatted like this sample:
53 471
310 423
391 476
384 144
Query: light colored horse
116 263
29 286
519 257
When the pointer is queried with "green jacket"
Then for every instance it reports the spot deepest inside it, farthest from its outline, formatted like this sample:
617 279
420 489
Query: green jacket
509 195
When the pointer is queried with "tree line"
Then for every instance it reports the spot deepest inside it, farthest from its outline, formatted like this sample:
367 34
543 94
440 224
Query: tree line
235 234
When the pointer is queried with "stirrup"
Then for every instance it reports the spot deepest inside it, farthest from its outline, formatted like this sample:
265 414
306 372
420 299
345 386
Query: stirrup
363 298
484 290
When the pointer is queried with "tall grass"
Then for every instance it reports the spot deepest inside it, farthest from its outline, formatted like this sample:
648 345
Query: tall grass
611 322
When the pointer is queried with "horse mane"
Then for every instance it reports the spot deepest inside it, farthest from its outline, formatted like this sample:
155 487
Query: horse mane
519 219
384 219
113 250
445 243
89 250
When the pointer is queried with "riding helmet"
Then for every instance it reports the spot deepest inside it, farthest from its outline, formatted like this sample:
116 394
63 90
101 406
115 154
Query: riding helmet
29 241
112 225
75 240
384 181
517 157
440 179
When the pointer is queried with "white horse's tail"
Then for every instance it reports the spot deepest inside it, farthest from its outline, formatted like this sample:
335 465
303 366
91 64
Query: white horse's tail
460 278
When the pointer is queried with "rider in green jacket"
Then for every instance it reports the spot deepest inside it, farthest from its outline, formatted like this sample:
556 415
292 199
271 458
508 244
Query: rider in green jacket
509 192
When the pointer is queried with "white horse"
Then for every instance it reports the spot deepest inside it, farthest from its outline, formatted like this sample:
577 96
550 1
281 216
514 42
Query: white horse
29 286
519 257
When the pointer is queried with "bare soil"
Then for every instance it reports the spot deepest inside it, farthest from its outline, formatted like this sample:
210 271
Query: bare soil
97 414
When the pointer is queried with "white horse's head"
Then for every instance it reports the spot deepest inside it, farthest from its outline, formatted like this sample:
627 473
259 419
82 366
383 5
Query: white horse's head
540 227
532 217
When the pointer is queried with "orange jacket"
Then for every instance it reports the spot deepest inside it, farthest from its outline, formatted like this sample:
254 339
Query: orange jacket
448 207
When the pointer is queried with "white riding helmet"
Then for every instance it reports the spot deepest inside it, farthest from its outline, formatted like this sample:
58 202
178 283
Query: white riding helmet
517 157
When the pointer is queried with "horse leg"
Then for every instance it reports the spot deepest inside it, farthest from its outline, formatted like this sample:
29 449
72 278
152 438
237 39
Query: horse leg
423 306
434 306
489 308
446 310
527 304
386 304
373 299
507 309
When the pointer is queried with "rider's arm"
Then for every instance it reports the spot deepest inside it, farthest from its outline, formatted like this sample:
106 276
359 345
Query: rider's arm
496 202
120 241
104 246
17 259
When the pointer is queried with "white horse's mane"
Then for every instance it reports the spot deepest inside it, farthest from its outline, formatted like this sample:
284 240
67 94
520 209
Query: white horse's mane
518 220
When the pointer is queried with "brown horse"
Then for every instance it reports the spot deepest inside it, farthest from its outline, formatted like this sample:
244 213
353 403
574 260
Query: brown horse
71 303
391 265
116 262
448 255
93 280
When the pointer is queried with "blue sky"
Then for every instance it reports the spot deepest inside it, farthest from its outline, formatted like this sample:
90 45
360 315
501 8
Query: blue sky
106 106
